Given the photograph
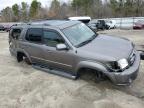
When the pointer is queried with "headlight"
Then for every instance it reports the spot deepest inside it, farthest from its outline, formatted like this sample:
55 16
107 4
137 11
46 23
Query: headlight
122 63
117 66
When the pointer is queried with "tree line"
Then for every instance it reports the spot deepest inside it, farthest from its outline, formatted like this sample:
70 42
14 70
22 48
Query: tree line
58 10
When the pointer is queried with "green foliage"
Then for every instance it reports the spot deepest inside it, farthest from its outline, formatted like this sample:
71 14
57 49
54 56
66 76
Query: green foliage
54 9
129 7
83 4
114 5
93 8
76 3
35 6
24 7
15 9
55 4
7 14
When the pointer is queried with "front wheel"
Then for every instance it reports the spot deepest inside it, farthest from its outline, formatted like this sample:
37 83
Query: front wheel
91 74
99 76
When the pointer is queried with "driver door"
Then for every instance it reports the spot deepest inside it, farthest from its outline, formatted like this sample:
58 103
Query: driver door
57 59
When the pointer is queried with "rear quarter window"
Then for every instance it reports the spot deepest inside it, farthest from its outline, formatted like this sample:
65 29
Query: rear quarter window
15 33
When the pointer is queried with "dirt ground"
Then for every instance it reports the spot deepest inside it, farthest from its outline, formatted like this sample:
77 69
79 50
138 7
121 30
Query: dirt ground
22 86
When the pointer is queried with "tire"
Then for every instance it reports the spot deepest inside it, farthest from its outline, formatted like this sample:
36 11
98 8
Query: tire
26 59
114 27
22 57
90 74
99 76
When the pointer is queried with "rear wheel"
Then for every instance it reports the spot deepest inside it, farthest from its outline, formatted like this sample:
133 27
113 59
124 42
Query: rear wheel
26 59
23 57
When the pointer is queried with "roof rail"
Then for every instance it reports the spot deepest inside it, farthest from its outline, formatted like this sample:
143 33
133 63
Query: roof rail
43 24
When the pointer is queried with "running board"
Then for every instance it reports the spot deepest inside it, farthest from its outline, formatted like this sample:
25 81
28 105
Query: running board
55 72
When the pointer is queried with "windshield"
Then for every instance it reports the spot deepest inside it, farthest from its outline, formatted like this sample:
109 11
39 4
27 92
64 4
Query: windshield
79 34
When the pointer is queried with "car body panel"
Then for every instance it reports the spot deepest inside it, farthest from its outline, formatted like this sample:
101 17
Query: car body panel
107 46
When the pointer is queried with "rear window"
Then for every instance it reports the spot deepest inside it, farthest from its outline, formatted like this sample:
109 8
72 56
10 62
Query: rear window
15 33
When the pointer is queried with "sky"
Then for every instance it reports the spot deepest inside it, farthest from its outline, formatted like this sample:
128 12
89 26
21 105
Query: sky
5 3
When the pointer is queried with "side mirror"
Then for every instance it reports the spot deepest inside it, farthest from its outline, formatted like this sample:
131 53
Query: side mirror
61 47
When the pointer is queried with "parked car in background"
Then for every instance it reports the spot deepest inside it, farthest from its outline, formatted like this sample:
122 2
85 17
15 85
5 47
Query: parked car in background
8 27
101 24
98 25
111 23
93 26
139 24
2 28
84 19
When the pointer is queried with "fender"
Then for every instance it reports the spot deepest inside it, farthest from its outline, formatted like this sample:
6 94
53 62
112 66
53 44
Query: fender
91 65
95 66
23 51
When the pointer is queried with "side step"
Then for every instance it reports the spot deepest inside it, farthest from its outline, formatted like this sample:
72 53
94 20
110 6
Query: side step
56 72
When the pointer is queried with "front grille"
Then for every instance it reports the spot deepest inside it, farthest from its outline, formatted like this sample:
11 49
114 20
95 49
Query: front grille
132 58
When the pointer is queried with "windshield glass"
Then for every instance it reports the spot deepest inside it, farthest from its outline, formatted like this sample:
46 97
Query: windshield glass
79 34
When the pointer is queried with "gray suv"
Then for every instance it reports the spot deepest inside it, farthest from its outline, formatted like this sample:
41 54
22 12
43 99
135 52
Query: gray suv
68 48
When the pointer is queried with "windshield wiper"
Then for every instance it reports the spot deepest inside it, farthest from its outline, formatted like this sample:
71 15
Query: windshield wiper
87 41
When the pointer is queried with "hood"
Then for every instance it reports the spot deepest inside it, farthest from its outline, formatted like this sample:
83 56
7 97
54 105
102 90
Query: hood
107 48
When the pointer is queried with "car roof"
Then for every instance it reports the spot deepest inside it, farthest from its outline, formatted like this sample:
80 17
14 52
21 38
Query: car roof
60 24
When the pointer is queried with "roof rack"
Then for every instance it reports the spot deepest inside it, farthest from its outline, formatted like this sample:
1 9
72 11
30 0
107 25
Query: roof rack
43 24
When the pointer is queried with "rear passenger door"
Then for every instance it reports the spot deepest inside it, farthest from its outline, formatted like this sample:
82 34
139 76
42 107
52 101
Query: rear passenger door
33 44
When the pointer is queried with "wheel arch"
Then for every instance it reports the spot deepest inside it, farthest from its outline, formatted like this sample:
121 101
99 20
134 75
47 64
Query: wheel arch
91 65
24 53
94 66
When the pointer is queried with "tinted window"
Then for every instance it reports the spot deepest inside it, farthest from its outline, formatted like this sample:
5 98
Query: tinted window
15 33
34 35
52 38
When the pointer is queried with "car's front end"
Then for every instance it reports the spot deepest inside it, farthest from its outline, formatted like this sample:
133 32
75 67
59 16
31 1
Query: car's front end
127 69
115 57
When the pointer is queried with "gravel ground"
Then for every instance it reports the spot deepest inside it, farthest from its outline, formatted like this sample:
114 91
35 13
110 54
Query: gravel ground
22 86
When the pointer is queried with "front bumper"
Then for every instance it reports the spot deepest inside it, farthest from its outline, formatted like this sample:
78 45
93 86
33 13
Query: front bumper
127 76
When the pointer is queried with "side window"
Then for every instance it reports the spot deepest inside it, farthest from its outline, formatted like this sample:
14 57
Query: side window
52 38
34 35
15 33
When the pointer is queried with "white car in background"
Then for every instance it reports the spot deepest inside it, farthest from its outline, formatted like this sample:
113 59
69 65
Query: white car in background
84 19
111 23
